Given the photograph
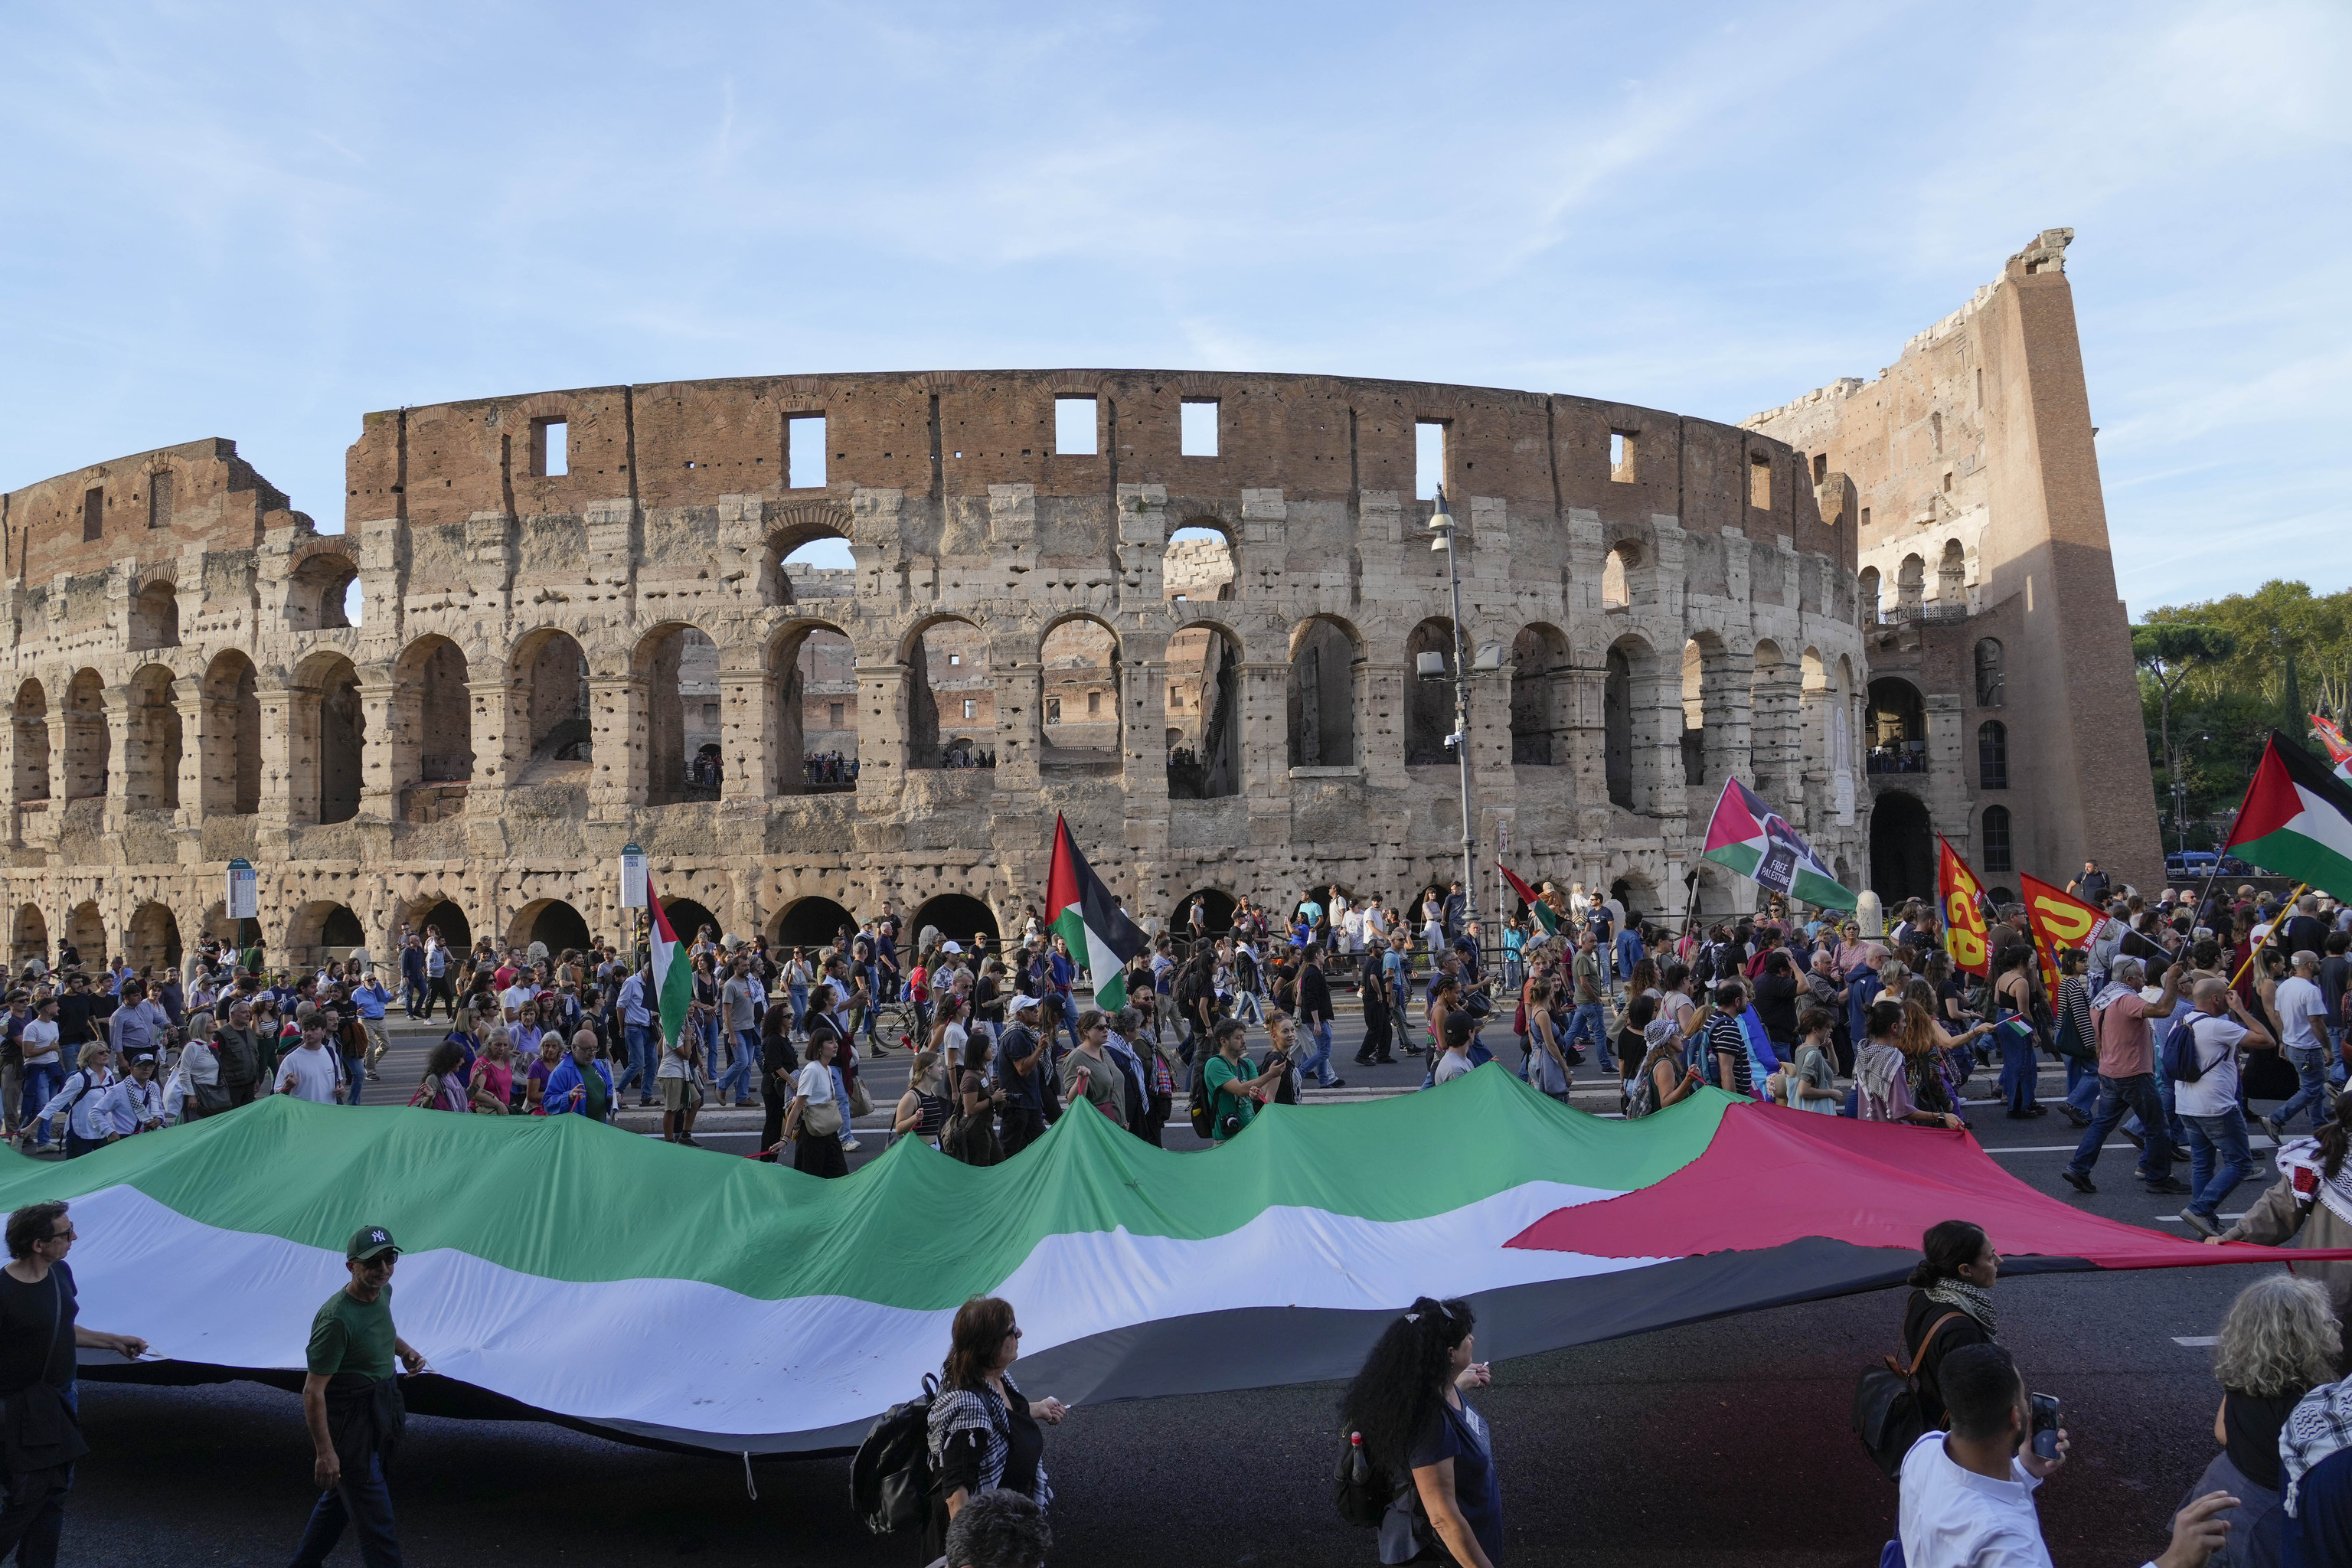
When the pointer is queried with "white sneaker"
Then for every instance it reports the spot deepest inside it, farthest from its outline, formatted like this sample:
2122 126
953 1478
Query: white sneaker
851 1144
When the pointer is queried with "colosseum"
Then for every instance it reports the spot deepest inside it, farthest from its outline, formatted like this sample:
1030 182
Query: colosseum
1182 608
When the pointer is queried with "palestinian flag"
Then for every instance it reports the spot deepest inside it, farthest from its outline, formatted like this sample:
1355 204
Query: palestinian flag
1081 911
1546 918
565 1270
673 978
1758 842
2297 819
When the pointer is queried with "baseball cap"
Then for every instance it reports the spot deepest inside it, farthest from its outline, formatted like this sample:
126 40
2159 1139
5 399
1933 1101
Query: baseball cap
950 947
1021 1005
368 1241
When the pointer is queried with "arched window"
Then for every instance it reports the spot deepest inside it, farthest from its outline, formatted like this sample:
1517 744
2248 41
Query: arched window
1996 839
1616 588
1952 574
1910 587
1993 754
1869 581
1990 683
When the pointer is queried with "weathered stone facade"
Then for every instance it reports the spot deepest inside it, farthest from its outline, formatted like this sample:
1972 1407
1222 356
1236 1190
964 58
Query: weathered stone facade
2001 657
510 713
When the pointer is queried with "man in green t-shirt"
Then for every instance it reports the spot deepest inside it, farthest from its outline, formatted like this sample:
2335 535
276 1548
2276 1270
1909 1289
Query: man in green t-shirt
352 1403
1234 1094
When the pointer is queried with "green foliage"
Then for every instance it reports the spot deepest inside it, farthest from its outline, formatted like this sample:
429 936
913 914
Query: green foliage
2282 634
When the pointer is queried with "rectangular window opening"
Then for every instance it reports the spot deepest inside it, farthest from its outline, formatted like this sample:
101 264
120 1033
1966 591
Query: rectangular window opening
833 714
1053 710
1865 517
955 658
804 451
1820 468
971 706
93 515
160 497
1094 703
1622 444
1199 420
1073 428
1428 457
550 448
1759 481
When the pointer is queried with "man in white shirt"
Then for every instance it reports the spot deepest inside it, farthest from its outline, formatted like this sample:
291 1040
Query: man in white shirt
2219 1157
511 999
310 1072
133 1103
2302 1008
1967 1494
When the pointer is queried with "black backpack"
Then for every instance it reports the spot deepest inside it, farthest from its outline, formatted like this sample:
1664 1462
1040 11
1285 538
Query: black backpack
1362 1491
890 1479
1203 1105
1886 1415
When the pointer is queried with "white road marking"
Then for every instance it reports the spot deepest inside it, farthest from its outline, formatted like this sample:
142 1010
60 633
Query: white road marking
2196 1341
2176 1219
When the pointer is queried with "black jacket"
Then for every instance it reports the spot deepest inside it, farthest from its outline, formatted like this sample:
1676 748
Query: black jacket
1962 1331
1314 997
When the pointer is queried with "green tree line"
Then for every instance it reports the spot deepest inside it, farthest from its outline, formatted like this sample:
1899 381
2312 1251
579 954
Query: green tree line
2216 677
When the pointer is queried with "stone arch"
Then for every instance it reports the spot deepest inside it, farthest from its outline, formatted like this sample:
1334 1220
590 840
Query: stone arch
810 922
1202 560
88 740
1902 848
813 689
1952 574
1711 694
85 932
1326 692
329 738
1630 719
950 684
431 912
316 590
30 717
679 665
795 527
558 735
1429 703
1992 677
1898 727
1993 754
1084 721
320 929
687 919
153 937
1775 749
155 617
1217 908
433 724
1542 697
28 936
1910 586
229 738
551 922
152 757
958 918
1617 574
1868 583
1204 711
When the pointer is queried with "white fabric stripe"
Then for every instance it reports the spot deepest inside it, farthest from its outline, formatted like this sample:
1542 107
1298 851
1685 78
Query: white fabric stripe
685 1355
2323 825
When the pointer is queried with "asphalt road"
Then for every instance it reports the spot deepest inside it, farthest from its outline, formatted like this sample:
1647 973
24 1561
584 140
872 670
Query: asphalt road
1723 1443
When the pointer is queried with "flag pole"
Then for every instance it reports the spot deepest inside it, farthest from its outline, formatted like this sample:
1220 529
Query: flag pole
2300 889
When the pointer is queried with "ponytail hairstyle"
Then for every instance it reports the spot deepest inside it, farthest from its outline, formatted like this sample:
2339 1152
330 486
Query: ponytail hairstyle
1401 1391
1948 1247
2334 1140
1885 1018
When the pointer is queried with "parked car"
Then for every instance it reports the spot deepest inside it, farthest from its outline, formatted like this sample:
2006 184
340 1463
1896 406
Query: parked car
2190 863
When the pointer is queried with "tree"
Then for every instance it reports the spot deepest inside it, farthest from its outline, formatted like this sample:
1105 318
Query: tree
2170 652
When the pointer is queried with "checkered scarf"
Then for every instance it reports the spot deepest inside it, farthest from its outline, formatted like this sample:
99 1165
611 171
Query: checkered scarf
960 1410
2320 1425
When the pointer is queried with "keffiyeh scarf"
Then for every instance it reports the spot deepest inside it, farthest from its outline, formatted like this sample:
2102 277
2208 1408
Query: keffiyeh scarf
1973 1299
2320 1425
2301 1159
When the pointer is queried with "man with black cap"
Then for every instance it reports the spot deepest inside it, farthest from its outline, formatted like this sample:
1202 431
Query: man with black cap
352 1403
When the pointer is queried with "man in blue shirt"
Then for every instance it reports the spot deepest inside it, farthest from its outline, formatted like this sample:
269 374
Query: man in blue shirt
580 1084
412 975
639 1029
370 998
1629 948
1064 974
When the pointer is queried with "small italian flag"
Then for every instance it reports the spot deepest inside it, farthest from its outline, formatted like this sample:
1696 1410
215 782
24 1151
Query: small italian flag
2297 819
1081 911
673 974
1546 918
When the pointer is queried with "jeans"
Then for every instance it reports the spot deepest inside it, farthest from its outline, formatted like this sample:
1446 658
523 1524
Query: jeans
2082 1085
1248 1009
42 1083
800 1009
354 1079
412 996
2226 1135
2311 1068
364 1502
841 1097
640 1070
2019 1073
1588 1018
738 1075
2118 1096
1317 1060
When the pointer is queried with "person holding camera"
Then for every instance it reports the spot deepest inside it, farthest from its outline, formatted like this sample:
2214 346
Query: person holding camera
1967 1494
1235 1092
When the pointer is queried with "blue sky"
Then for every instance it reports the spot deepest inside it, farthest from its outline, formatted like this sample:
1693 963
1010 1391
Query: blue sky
262 221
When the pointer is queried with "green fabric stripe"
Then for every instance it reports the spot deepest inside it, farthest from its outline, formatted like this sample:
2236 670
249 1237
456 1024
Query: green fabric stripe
2287 853
1741 858
565 1198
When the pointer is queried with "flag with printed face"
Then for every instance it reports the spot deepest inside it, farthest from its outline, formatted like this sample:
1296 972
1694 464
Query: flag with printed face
1965 937
1081 911
2296 820
1758 842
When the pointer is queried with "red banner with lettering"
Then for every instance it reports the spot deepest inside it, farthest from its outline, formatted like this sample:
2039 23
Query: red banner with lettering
2060 920
1965 938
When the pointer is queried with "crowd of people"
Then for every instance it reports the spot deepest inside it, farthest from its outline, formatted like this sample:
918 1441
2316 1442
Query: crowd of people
828 768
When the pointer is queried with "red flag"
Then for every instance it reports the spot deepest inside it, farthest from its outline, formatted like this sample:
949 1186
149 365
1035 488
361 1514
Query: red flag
2060 920
1965 937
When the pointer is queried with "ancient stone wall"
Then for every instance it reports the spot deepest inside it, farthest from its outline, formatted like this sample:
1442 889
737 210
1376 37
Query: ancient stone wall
560 588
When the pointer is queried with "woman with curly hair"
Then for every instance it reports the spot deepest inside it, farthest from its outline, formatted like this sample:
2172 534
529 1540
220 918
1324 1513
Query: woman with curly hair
983 1432
2310 1206
2279 1342
1406 1407
1929 1055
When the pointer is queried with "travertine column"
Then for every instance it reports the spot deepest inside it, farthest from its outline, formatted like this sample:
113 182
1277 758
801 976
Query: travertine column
619 720
391 742
747 709
188 699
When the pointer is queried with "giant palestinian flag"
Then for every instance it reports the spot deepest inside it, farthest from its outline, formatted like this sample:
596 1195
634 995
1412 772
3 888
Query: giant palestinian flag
559 1269
1081 911
1758 842
2297 819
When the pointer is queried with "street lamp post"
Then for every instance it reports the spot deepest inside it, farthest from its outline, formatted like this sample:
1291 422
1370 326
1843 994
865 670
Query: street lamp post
1441 523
